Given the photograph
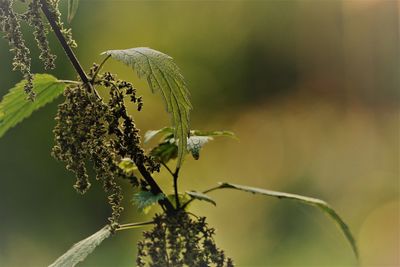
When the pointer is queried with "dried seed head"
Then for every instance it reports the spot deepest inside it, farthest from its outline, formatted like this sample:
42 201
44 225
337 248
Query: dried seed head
180 241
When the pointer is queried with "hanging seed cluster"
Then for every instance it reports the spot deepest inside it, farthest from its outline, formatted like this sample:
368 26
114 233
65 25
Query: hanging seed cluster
10 27
180 241
89 130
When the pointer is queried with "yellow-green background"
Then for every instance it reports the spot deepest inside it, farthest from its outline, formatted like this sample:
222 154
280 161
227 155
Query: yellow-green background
310 87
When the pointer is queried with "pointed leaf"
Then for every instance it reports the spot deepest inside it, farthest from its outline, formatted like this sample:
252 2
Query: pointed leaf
164 75
14 107
81 250
213 133
72 8
306 200
145 199
201 196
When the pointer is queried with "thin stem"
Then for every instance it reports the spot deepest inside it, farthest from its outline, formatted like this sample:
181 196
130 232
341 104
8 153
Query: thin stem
175 175
69 82
133 225
99 69
168 169
63 42
155 189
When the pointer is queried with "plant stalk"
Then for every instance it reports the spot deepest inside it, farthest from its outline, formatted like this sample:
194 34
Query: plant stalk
155 189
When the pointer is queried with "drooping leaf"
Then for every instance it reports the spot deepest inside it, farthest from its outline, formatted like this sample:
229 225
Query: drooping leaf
183 198
195 143
201 196
144 200
325 207
72 8
163 75
127 166
81 250
14 106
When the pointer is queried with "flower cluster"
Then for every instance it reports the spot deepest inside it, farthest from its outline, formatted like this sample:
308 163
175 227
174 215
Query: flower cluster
10 27
178 241
89 130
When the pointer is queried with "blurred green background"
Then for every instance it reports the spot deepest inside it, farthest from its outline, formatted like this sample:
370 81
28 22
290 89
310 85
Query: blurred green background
310 87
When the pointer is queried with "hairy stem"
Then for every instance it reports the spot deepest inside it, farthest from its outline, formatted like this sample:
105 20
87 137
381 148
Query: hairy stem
128 226
155 189
175 175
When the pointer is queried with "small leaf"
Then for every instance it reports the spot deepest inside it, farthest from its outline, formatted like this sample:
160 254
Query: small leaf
164 152
127 166
14 107
162 74
144 200
152 133
201 196
307 200
81 250
213 133
72 8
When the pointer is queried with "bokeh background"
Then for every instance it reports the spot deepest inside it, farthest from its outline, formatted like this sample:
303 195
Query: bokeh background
311 88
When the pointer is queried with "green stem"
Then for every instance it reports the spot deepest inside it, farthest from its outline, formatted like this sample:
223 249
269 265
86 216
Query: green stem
133 225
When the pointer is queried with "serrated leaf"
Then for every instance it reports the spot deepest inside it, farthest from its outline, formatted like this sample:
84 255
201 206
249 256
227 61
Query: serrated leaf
201 196
144 200
127 166
81 250
325 207
72 8
14 107
164 75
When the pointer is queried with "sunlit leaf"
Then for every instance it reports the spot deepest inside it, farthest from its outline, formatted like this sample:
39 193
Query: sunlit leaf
201 196
72 8
144 200
14 106
163 75
213 133
325 207
81 250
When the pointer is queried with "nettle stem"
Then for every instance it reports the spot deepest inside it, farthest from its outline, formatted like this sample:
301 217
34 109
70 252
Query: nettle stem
155 189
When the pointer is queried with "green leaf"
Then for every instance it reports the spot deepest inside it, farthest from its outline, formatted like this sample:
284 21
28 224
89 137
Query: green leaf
152 133
144 200
213 133
14 107
164 152
201 196
325 207
72 8
162 74
81 250
127 166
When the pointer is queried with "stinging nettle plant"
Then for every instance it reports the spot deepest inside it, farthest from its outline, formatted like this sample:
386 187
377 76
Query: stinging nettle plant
100 133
